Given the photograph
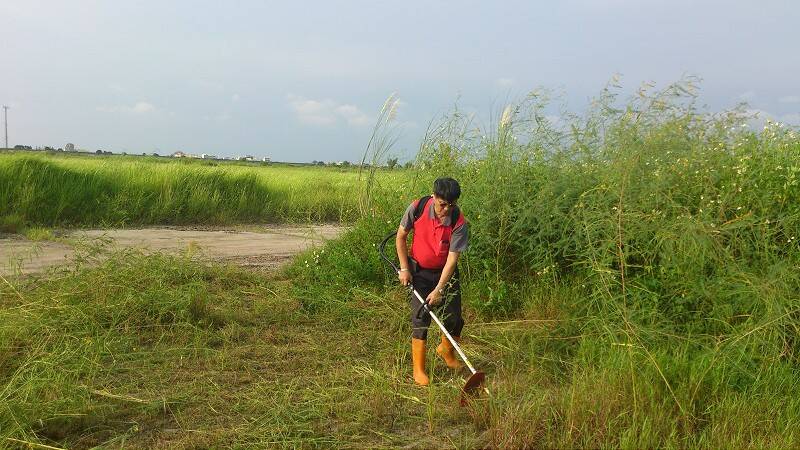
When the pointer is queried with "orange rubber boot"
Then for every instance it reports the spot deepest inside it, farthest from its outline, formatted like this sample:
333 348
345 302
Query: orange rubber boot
418 359
447 352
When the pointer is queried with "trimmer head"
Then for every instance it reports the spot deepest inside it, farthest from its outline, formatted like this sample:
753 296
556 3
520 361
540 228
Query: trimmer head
472 387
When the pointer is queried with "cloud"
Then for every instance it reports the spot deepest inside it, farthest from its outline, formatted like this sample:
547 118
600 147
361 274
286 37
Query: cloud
505 82
206 85
790 99
143 107
747 96
221 117
759 118
554 120
138 108
326 112
791 119
353 115
312 111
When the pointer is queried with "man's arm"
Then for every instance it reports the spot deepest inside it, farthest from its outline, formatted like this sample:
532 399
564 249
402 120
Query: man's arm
447 272
402 254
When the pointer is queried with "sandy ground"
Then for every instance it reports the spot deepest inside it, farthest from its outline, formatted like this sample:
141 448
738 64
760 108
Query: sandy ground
265 247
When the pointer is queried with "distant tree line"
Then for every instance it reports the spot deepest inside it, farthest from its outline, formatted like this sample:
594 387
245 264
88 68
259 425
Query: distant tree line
391 163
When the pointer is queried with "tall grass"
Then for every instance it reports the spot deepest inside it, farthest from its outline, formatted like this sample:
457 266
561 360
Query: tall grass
675 234
384 136
631 282
93 191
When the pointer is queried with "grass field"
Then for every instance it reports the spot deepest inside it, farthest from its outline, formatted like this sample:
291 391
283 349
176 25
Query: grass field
632 281
71 190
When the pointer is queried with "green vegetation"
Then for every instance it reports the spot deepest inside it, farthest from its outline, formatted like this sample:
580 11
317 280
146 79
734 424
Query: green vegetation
11 223
632 282
64 190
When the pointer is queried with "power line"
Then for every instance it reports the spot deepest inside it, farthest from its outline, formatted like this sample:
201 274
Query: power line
5 116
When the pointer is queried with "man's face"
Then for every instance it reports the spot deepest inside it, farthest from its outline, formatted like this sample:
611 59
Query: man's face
442 207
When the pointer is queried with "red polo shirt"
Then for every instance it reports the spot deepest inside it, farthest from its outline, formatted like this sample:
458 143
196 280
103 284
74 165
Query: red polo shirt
434 239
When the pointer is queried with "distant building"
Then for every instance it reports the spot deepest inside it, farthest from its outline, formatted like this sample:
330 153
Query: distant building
265 159
69 147
179 154
207 156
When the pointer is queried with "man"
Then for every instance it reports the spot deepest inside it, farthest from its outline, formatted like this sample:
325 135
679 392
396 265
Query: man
440 236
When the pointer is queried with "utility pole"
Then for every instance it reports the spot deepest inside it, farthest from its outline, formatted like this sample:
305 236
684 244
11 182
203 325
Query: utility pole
5 114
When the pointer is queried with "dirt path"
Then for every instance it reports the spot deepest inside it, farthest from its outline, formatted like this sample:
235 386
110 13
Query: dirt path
264 247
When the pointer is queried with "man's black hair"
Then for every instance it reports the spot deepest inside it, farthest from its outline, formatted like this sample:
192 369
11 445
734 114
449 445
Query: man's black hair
447 188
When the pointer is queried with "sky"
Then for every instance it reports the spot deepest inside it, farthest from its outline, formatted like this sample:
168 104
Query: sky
303 81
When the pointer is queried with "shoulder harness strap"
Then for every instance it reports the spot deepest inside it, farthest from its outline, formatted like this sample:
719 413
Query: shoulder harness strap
420 207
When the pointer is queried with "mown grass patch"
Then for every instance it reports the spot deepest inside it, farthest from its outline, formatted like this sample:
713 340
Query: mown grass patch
157 350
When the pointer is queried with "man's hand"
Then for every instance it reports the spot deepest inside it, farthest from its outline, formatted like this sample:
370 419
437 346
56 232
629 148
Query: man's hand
405 277
435 297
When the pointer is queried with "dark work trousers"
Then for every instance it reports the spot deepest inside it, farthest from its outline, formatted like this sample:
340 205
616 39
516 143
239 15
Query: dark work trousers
448 311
